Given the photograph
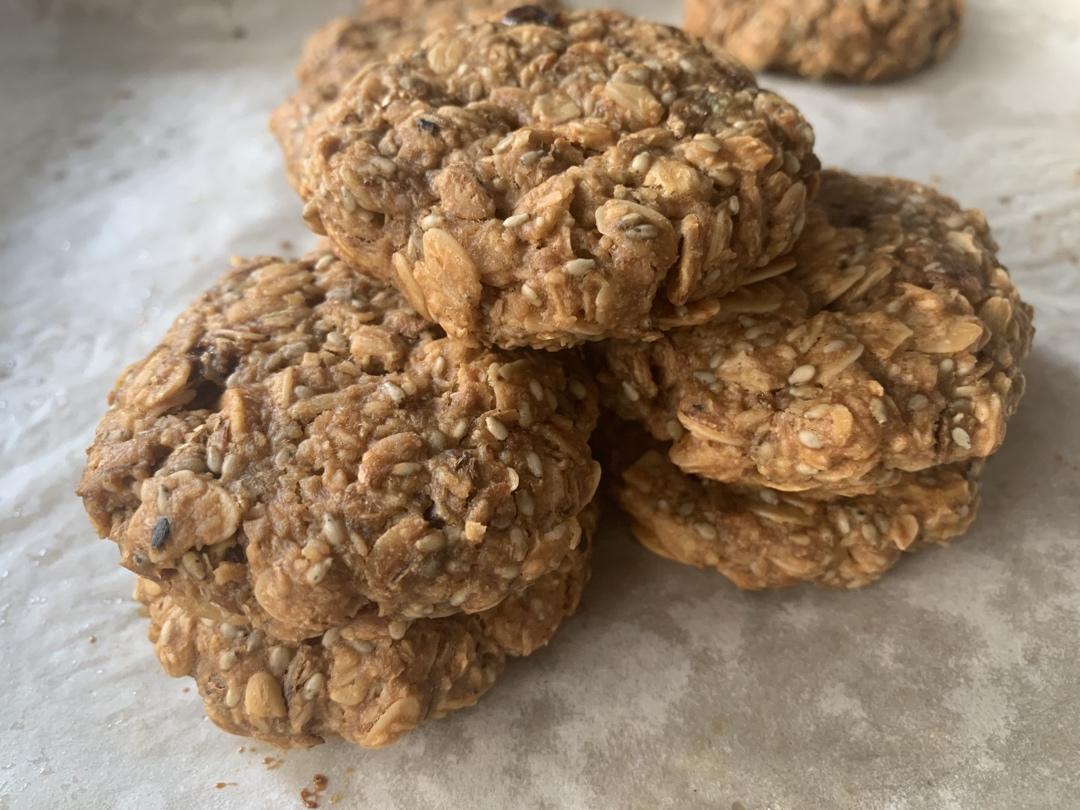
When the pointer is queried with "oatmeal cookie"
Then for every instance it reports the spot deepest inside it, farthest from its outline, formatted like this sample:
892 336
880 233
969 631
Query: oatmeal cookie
370 680
893 344
760 538
302 446
552 179
853 40
334 53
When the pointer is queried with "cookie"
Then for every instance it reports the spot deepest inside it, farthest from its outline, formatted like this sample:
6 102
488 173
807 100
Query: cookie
552 179
370 680
302 446
853 40
892 344
334 53
760 538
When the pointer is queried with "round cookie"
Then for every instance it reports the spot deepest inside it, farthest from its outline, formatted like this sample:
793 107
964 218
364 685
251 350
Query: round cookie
760 538
302 446
369 681
334 53
853 40
553 179
893 344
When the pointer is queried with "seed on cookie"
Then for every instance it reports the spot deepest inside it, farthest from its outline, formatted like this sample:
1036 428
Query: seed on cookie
853 365
395 481
854 40
645 169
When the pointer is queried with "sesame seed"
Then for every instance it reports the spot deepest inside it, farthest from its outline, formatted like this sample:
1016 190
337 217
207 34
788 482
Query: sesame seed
645 231
193 564
515 220
578 390
530 158
458 598
331 637
579 267
227 660
842 523
810 439
630 392
213 459
834 346
395 392
947 365
870 532
705 530
405 468
348 201
802 374
230 467
685 509
961 437
496 428
232 697
324 261
706 377
877 410
918 402
228 630
537 390
317 572
459 429
707 142
430 221
362 646
535 465
503 145
769 496
383 166
429 543
675 430
302 392
437 440
334 530
734 205
817 411
439 366
641 162
314 685
397 629
525 503
279 658
530 293
166 632
160 534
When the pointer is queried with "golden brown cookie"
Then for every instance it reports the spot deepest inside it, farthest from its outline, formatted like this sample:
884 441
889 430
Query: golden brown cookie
302 447
334 53
370 680
552 179
854 40
760 538
892 344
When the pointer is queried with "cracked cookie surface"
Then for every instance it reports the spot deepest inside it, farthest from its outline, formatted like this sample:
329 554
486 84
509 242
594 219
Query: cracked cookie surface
552 179
302 446
853 40
760 538
892 343
335 52
369 680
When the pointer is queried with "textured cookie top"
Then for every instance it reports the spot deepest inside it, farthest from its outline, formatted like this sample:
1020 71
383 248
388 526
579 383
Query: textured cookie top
760 538
370 680
334 53
302 445
894 344
856 40
552 179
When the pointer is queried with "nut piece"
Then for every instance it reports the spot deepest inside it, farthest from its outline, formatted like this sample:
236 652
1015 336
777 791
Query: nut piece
856 40
262 696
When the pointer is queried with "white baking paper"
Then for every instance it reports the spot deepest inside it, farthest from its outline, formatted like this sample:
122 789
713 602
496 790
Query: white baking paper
134 159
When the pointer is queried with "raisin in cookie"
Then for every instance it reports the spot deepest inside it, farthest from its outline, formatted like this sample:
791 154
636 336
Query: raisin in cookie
303 446
854 40
552 179
760 538
334 53
893 343
369 680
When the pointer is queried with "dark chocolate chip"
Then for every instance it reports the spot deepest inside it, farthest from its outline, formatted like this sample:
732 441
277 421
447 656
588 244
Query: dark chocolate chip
529 15
160 534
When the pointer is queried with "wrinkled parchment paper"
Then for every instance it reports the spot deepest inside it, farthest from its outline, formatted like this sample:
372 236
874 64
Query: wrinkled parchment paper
134 159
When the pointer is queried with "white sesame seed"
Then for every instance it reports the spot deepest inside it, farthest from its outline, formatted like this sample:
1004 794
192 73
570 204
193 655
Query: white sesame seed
314 685
641 162
228 630
324 261
734 205
530 293
530 158
706 377
705 530
395 392
834 346
430 221
193 564
460 428
504 144
227 660
918 402
331 637
439 366
536 466
810 439
383 166
961 437
515 220
870 532
525 503
429 543
630 392
675 430
166 632
947 365
213 459
537 390
578 390
362 646
405 468
397 629
802 374
877 410
496 428
317 572
280 658
817 411
769 496
579 267
334 531
232 697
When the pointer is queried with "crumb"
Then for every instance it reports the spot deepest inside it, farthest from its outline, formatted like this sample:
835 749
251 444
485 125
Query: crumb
286 245
272 763
310 796
93 639
239 32
241 749
1005 199
186 689
220 785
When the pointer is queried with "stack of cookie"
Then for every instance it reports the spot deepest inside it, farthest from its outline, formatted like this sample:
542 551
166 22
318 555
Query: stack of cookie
353 484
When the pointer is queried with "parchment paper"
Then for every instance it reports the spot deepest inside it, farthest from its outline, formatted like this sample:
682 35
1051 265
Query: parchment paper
134 160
